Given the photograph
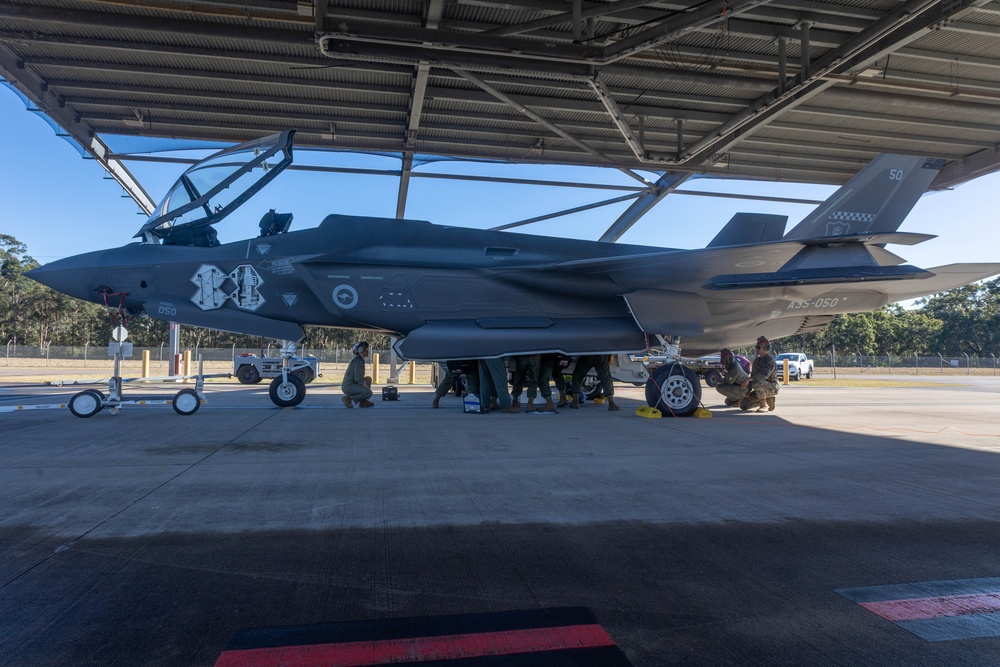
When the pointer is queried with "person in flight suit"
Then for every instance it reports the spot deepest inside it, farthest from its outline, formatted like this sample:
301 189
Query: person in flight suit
733 376
357 387
601 363
762 386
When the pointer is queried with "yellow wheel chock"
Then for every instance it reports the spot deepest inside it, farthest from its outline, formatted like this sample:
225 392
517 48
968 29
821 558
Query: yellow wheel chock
648 412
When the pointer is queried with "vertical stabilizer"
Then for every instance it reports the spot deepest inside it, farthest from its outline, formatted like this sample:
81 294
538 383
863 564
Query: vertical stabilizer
877 199
748 228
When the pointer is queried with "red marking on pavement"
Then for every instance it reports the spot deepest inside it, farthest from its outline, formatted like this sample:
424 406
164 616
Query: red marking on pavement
421 649
918 609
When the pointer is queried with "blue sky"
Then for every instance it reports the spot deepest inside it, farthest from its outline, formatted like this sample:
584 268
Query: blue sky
60 204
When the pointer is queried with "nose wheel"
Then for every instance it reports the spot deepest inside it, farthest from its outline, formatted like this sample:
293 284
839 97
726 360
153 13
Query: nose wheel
287 392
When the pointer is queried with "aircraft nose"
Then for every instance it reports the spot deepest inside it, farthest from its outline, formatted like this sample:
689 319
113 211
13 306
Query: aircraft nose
75 276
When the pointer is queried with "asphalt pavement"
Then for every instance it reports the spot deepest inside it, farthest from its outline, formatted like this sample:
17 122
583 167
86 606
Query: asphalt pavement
852 526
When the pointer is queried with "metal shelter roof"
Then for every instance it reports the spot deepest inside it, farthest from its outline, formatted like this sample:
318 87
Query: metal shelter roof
781 90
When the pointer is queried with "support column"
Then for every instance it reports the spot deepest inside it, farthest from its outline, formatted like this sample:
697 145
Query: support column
175 346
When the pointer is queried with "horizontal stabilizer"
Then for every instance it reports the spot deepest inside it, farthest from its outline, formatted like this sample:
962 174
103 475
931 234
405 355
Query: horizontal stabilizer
940 279
879 238
468 339
825 276
748 228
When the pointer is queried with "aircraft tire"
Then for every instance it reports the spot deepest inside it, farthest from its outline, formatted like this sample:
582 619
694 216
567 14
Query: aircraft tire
247 374
287 394
86 403
713 378
674 390
591 387
186 402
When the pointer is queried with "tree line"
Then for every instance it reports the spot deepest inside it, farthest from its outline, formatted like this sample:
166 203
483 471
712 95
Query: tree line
965 320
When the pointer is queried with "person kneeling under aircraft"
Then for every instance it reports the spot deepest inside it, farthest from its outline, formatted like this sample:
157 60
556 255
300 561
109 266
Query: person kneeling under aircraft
733 378
762 386
357 387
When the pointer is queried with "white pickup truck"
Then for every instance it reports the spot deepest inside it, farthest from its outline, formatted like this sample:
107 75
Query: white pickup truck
799 365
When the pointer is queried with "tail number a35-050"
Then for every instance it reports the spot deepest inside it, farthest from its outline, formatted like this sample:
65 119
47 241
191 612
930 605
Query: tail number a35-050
824 302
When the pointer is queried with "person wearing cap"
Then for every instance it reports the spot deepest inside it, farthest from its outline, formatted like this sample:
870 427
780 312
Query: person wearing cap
733 377
762 386
357 387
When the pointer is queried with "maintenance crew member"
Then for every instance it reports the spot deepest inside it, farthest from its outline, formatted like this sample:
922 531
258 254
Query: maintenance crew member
526 369
550 367
763 383
447 382
493 385
357 387
733 376
601 363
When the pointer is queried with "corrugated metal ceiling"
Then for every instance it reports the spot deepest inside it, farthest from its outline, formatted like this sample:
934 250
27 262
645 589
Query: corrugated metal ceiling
477 79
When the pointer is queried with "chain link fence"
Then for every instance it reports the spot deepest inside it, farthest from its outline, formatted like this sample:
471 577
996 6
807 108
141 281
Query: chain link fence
97 357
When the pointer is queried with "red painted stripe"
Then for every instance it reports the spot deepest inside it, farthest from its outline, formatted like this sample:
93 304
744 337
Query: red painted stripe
420 649
923 608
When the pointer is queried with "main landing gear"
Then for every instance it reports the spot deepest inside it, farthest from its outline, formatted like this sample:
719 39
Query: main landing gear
673 388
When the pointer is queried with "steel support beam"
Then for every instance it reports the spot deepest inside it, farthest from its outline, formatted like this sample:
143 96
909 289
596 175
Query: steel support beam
666 184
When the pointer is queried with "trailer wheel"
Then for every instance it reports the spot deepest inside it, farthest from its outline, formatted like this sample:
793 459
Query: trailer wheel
713 377
304 374
674 390
186 402
247 374
287 394
87 403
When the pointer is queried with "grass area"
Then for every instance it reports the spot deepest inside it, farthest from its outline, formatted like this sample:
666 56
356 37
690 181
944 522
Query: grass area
867 382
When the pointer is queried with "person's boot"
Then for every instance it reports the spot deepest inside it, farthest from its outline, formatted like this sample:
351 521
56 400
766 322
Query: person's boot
562 400
531 405
347 401
575 404
515 401
731 402
366 404
437 401
762 405
612 406
770 403
513 409
549 405
494 405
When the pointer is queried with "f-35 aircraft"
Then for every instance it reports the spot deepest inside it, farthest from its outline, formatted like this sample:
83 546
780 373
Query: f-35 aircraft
456 293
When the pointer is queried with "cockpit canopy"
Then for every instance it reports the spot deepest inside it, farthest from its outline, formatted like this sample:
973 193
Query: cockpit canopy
215 187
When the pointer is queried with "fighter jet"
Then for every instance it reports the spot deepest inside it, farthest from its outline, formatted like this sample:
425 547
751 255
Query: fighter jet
457 293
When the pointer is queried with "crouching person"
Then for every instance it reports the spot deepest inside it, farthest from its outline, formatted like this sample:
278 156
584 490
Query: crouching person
733 383
763 384
357 387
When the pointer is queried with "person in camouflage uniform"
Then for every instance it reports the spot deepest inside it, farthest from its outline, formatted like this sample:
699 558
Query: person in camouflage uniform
762 386
733 377
526 370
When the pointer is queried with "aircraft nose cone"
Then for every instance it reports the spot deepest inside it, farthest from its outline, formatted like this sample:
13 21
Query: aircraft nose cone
74 276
